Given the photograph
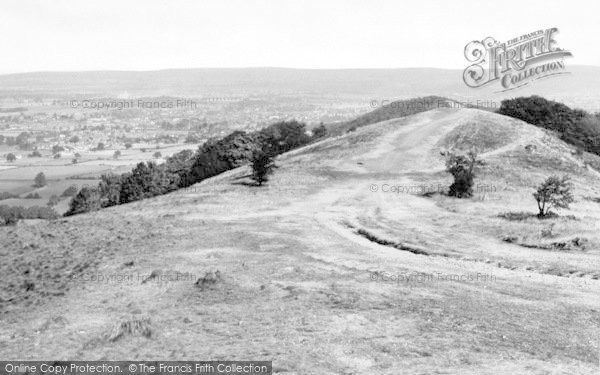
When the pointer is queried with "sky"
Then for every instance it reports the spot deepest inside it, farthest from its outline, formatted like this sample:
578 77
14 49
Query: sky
66 35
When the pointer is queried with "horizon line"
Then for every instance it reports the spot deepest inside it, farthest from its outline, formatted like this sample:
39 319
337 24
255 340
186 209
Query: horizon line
239 68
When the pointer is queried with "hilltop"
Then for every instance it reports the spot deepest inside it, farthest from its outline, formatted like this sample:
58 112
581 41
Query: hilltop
339 264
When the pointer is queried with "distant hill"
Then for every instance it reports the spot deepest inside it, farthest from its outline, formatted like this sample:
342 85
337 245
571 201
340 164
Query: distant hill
581 88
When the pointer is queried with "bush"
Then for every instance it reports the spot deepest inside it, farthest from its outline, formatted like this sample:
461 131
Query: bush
262 165
88 199
110 189
320 131
146 181
40 180
70 191
284 136
461 168
10 157
35 154
57 149
53 201
553 192
4 195
11 215
32 196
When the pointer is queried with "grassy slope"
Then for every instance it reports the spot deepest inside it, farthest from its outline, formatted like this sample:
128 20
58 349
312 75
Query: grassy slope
297 280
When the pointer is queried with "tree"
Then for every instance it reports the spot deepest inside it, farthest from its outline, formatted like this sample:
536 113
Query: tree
553 192
285 135
56 149
35 154
100 146
461 168
144 181
40 180
110 188
11 157
74 139
117 154
53 201
88 199
157 154
320 131
57 156
74 161
70 191
128 145
262 165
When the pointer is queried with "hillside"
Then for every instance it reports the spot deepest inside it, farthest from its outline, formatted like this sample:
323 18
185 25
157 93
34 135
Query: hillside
326 269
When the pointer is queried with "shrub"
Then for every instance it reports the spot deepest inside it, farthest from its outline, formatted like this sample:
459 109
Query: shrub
53 201
70 191
56 149
35 154
461 168
110 189
262 165
284 135
32 196
553 192
117 154
4 195
11 215
40 180
10 157
145 181
320 131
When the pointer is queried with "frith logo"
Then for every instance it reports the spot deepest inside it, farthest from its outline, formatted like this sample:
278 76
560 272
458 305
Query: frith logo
515 63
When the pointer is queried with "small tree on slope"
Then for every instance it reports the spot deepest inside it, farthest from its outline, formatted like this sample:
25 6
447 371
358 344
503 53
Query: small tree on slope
554 192
262 165
461 168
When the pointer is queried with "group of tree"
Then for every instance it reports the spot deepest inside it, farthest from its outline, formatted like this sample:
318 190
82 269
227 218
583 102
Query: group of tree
187 168
574 126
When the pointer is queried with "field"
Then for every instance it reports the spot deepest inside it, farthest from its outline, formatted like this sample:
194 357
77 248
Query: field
325 270
17 177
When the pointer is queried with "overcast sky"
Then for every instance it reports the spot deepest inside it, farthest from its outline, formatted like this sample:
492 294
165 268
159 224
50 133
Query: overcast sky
150 34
